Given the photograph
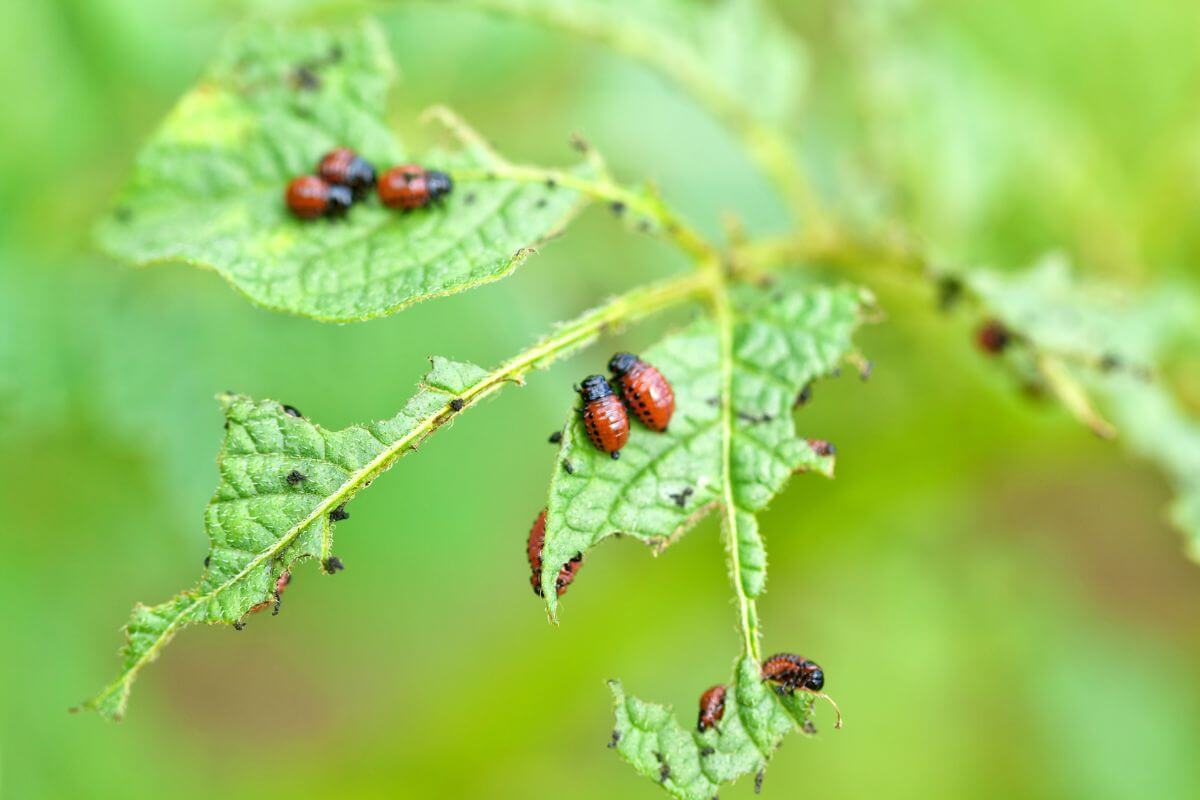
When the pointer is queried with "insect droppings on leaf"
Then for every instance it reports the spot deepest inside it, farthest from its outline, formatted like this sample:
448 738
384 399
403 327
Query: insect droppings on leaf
950 291
207 561
338 514
758 781
305 79
617 207
333 564
680 498
615 740
457 404
555 437
568 466
292 411
804 396
706 751
296 476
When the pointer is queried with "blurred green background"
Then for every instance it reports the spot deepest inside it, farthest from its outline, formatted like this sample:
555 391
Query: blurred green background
998 606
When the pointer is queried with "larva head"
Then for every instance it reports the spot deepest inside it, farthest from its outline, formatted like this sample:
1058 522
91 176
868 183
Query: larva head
438 183
621 363
594 387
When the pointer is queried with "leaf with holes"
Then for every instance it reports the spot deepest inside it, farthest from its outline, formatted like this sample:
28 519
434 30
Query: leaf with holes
1113 343
284 483
731 53
208 188
784 339
694 765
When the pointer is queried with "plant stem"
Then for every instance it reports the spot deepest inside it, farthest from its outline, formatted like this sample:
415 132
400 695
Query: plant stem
644 203
747 612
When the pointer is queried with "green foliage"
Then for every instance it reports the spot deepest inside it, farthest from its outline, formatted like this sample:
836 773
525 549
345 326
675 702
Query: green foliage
208 188
785 337
732 53
1075 338
284 484
694 765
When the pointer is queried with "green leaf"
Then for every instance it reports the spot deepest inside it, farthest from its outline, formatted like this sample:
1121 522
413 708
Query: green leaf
732 54
1088 339
281 478
692 765
664 483
208 188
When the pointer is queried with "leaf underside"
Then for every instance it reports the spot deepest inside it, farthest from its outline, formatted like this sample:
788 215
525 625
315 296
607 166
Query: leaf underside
664 483
281 477
1114 343
694 765
208 188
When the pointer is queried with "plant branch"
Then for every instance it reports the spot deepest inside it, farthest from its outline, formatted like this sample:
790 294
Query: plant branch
645 204
567 338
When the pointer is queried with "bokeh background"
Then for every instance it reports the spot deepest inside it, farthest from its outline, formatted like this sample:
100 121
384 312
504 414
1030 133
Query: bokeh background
999 607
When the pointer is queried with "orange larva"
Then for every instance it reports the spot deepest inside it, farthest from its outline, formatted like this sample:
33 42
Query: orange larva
647 393
309 197
280 584
604 416
712 708
993 337
792 672
411 186
344 167
537 537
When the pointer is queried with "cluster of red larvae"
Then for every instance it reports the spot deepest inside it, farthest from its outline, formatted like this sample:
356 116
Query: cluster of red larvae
643 389
787 671
343 177
648 394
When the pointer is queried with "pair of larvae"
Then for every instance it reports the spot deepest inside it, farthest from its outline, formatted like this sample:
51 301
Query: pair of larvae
344 177
649 396
644 391
787 671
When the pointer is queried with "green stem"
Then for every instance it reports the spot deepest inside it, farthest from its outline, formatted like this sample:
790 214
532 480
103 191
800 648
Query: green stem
636 203
723 317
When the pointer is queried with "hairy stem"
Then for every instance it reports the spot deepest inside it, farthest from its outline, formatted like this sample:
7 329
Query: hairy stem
723 317
637 203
